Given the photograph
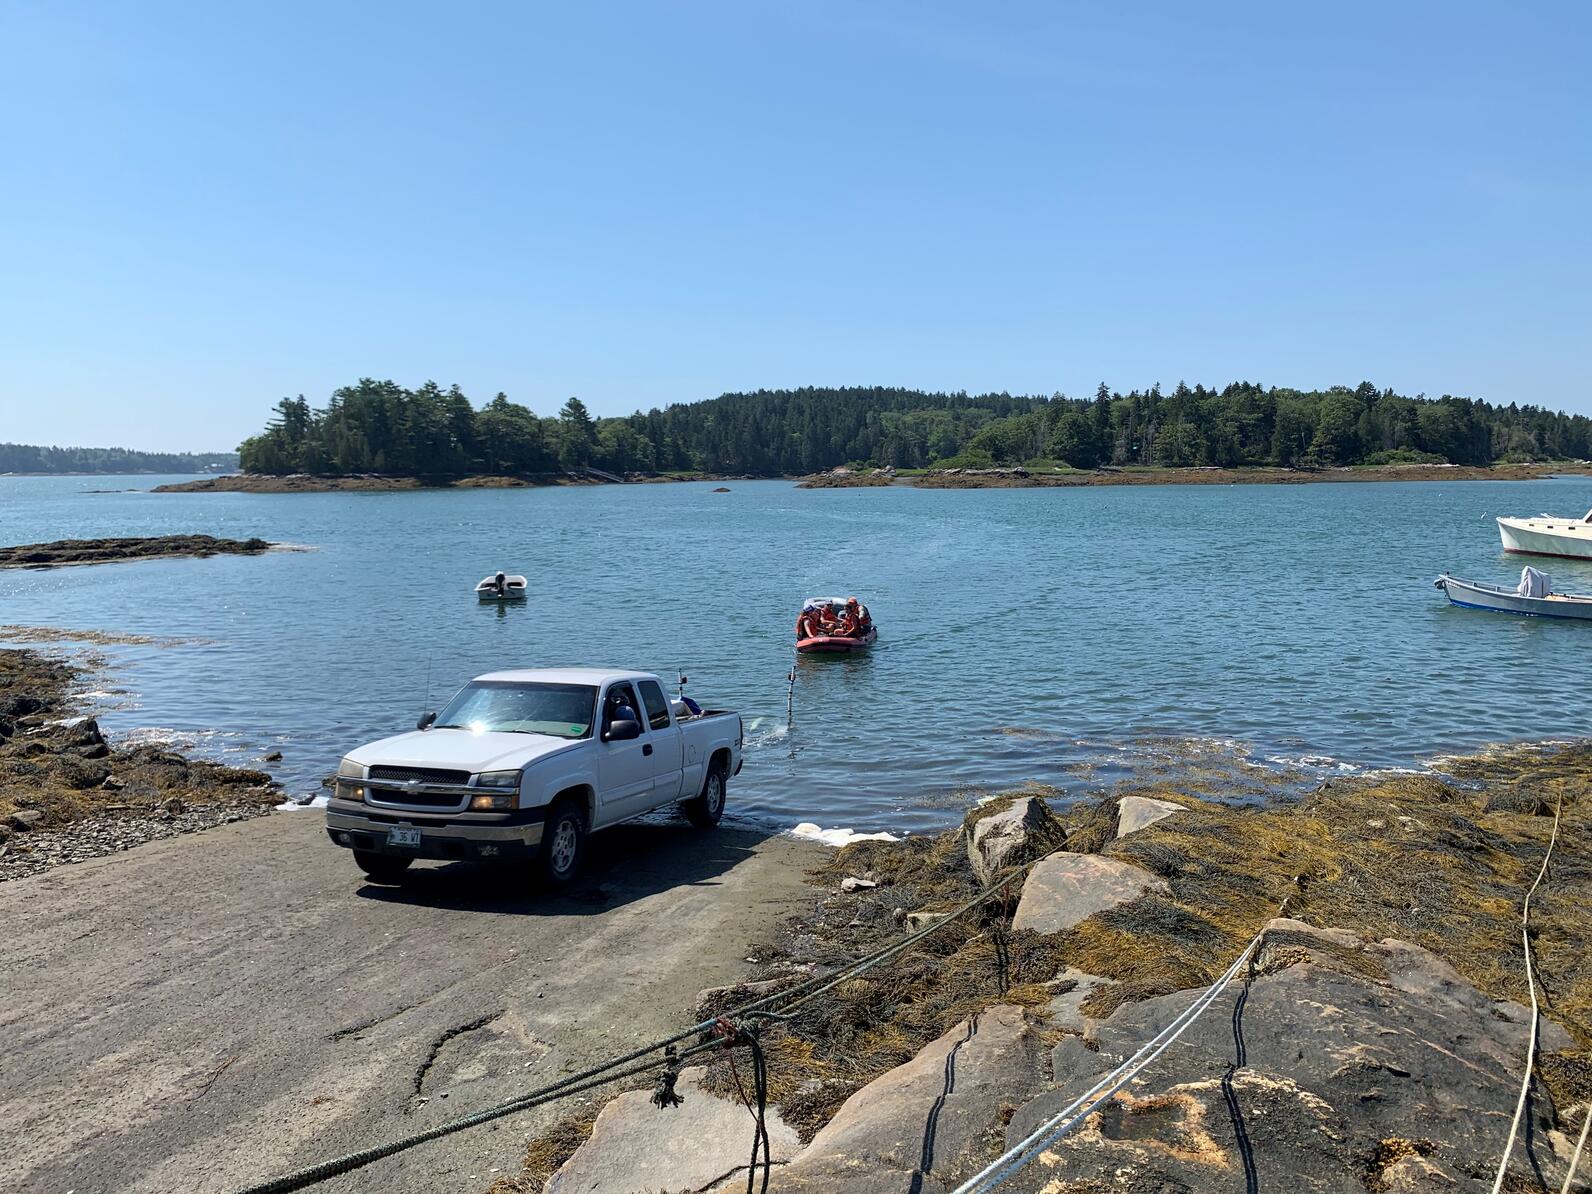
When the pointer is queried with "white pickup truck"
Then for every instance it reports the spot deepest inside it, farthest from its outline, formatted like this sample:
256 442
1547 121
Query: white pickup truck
525 764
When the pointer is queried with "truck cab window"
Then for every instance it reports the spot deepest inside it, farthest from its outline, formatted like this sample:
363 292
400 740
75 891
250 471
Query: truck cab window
620 696
657 707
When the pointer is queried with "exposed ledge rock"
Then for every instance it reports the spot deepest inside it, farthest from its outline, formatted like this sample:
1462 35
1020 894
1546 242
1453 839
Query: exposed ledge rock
1064 889
703 1144
1347 1066
104 551
926 1125
1139 812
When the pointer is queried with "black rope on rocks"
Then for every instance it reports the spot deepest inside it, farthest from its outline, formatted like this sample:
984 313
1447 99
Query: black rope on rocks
730 1034
1246 1150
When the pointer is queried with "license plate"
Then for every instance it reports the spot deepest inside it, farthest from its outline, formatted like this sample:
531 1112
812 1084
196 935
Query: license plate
403 835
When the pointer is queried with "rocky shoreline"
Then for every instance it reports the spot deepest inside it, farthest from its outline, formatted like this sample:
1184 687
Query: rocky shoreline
62 552
1023 478
373 483
1376 1043
846 478
383 483
66 794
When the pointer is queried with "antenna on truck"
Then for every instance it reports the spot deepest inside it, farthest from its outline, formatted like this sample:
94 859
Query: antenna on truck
683 681
426 706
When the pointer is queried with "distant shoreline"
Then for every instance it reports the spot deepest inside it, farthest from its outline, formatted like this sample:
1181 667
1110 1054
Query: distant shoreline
993 478
384 483
1021 478
115 472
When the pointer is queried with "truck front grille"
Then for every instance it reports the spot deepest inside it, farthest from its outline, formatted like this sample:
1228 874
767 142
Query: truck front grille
415 799
426 775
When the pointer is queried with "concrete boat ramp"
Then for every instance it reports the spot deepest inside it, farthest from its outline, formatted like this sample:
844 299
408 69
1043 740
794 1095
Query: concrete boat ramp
207 1011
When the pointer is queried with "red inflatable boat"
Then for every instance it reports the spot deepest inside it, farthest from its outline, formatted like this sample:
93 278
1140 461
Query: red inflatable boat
820 616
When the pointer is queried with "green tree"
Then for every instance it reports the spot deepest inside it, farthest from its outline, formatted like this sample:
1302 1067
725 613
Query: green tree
1075 440
577 435
1336 439
510 439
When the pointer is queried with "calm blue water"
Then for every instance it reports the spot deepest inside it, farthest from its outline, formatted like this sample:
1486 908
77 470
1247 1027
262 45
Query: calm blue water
1054 635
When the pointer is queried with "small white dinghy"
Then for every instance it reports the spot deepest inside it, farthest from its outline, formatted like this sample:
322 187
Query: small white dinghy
1532 597
501 587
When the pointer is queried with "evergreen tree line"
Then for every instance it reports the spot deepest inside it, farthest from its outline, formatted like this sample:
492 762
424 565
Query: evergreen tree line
30 458
378 426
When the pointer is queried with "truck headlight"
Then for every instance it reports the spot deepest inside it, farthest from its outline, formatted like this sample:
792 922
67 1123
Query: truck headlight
351 780
505 785
498 779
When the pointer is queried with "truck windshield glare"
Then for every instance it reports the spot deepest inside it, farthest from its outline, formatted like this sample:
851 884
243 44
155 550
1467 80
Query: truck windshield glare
502 706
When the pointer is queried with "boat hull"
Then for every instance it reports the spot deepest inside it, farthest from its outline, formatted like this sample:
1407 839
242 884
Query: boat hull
1567 538
834 644
1470 595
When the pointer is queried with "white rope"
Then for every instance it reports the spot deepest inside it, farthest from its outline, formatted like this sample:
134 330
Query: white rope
1536 1009
1058 1125
1575 1157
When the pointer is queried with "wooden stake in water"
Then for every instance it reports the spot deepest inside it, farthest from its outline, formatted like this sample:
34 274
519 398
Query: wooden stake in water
790 697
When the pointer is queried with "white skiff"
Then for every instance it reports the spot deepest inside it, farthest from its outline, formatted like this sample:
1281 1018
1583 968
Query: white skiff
1531 597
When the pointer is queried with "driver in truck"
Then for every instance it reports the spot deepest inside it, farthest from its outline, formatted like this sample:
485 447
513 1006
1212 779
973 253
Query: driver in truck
618 708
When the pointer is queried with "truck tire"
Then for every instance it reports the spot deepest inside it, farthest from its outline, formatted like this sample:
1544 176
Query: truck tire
383 868
705 810
563 845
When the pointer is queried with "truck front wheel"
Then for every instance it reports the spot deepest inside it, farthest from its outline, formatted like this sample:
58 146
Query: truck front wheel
563 844
705 810
383 868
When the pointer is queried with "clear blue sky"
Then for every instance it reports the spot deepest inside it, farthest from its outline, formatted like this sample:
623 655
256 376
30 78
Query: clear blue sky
205 207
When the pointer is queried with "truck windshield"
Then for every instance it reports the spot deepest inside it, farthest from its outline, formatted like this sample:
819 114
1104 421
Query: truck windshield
503 706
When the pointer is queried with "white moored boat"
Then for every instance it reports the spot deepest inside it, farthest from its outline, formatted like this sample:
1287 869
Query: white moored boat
501 587
1532 596
1548 535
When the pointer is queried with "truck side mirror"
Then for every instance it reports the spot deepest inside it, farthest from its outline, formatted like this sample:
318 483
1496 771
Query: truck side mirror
425 721
623 731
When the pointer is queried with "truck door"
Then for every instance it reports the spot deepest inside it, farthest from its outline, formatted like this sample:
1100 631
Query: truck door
624 768
668 738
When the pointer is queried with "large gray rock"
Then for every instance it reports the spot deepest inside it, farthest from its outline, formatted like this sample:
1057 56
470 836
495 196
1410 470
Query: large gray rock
1022 830
703 1143
1067 888
928 1124
1347 1066
1139 812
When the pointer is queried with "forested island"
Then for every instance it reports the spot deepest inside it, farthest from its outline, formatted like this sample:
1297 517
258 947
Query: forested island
379 427
35 459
